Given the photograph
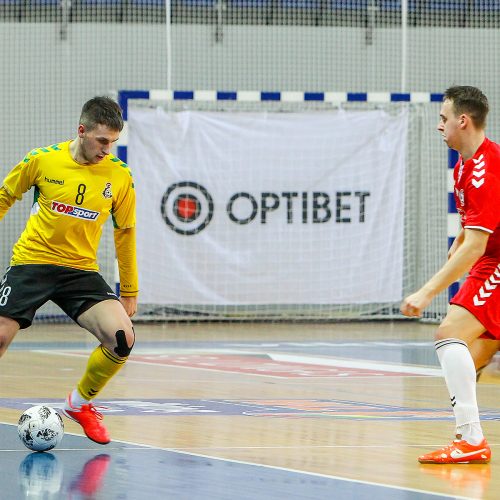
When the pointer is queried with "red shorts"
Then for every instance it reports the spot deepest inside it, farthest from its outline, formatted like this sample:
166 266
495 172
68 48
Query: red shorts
481 297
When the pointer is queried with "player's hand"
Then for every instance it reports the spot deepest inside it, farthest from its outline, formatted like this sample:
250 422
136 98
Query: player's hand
415 303
130 305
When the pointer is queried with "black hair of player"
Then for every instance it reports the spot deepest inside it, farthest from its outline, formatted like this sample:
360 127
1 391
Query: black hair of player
102 110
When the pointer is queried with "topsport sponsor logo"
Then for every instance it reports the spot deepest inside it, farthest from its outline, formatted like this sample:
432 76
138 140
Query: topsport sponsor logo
78 212
187 207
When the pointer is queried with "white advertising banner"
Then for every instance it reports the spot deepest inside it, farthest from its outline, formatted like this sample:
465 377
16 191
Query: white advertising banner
269 208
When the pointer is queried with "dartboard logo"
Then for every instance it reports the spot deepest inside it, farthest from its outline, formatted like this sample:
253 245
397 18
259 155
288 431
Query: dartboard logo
187 208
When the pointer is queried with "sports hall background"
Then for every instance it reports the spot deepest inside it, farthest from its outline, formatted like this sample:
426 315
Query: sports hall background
260 410
55 54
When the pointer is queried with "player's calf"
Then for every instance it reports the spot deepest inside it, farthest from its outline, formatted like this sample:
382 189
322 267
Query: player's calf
479 371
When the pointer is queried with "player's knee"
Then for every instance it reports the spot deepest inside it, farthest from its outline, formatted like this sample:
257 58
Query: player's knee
440 335
443 332
124 342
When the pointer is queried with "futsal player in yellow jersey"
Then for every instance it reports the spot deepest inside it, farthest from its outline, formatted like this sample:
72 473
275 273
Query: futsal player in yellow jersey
78 184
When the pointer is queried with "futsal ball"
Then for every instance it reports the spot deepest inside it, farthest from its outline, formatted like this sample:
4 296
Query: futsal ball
40 428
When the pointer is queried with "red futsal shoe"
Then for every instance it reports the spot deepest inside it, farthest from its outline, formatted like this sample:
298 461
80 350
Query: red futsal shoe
90 420
459 452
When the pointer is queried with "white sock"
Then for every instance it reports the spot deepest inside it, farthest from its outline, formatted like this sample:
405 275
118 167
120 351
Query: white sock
460 376
77 400
472 433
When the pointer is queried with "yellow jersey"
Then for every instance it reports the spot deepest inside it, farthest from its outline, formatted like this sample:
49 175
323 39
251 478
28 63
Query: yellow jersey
72 203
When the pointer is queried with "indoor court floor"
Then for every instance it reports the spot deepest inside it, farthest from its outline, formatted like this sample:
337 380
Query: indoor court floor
247 411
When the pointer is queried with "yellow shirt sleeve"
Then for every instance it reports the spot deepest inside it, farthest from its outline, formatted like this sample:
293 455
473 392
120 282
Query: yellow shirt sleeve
22 177
123 210
125 244
6 201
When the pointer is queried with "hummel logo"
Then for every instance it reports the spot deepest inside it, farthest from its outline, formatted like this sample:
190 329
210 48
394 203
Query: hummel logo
488 285
460 454
484 294
478 172
478 302
55 181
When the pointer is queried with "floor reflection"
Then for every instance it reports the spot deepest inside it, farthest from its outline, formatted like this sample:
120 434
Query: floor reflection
469 480
41 475
91 478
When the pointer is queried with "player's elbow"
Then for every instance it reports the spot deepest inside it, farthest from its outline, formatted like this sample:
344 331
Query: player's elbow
475 243
476 251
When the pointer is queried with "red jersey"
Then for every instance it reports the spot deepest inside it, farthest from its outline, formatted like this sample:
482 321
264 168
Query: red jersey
477 197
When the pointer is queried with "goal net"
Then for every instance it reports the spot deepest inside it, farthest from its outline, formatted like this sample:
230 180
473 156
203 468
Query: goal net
286 209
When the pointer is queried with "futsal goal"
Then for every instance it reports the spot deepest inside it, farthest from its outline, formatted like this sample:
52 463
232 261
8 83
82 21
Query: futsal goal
286 205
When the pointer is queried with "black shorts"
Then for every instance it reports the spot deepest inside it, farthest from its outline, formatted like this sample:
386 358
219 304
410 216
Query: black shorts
25 288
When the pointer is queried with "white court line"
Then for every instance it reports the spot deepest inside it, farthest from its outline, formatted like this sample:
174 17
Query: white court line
134 446
364 364
289 358
272 467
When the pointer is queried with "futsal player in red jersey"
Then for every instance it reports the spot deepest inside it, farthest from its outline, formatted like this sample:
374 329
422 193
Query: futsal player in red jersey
469 334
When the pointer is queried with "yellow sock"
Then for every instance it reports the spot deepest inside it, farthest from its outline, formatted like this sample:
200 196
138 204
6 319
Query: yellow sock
101 367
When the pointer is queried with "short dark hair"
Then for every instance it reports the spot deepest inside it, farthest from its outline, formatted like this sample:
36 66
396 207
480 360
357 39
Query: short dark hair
469 100
102 110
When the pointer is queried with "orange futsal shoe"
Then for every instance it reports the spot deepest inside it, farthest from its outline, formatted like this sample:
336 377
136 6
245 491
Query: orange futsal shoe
459 452
90 419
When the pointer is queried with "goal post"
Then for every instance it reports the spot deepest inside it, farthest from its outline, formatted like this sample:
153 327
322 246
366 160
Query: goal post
286 237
